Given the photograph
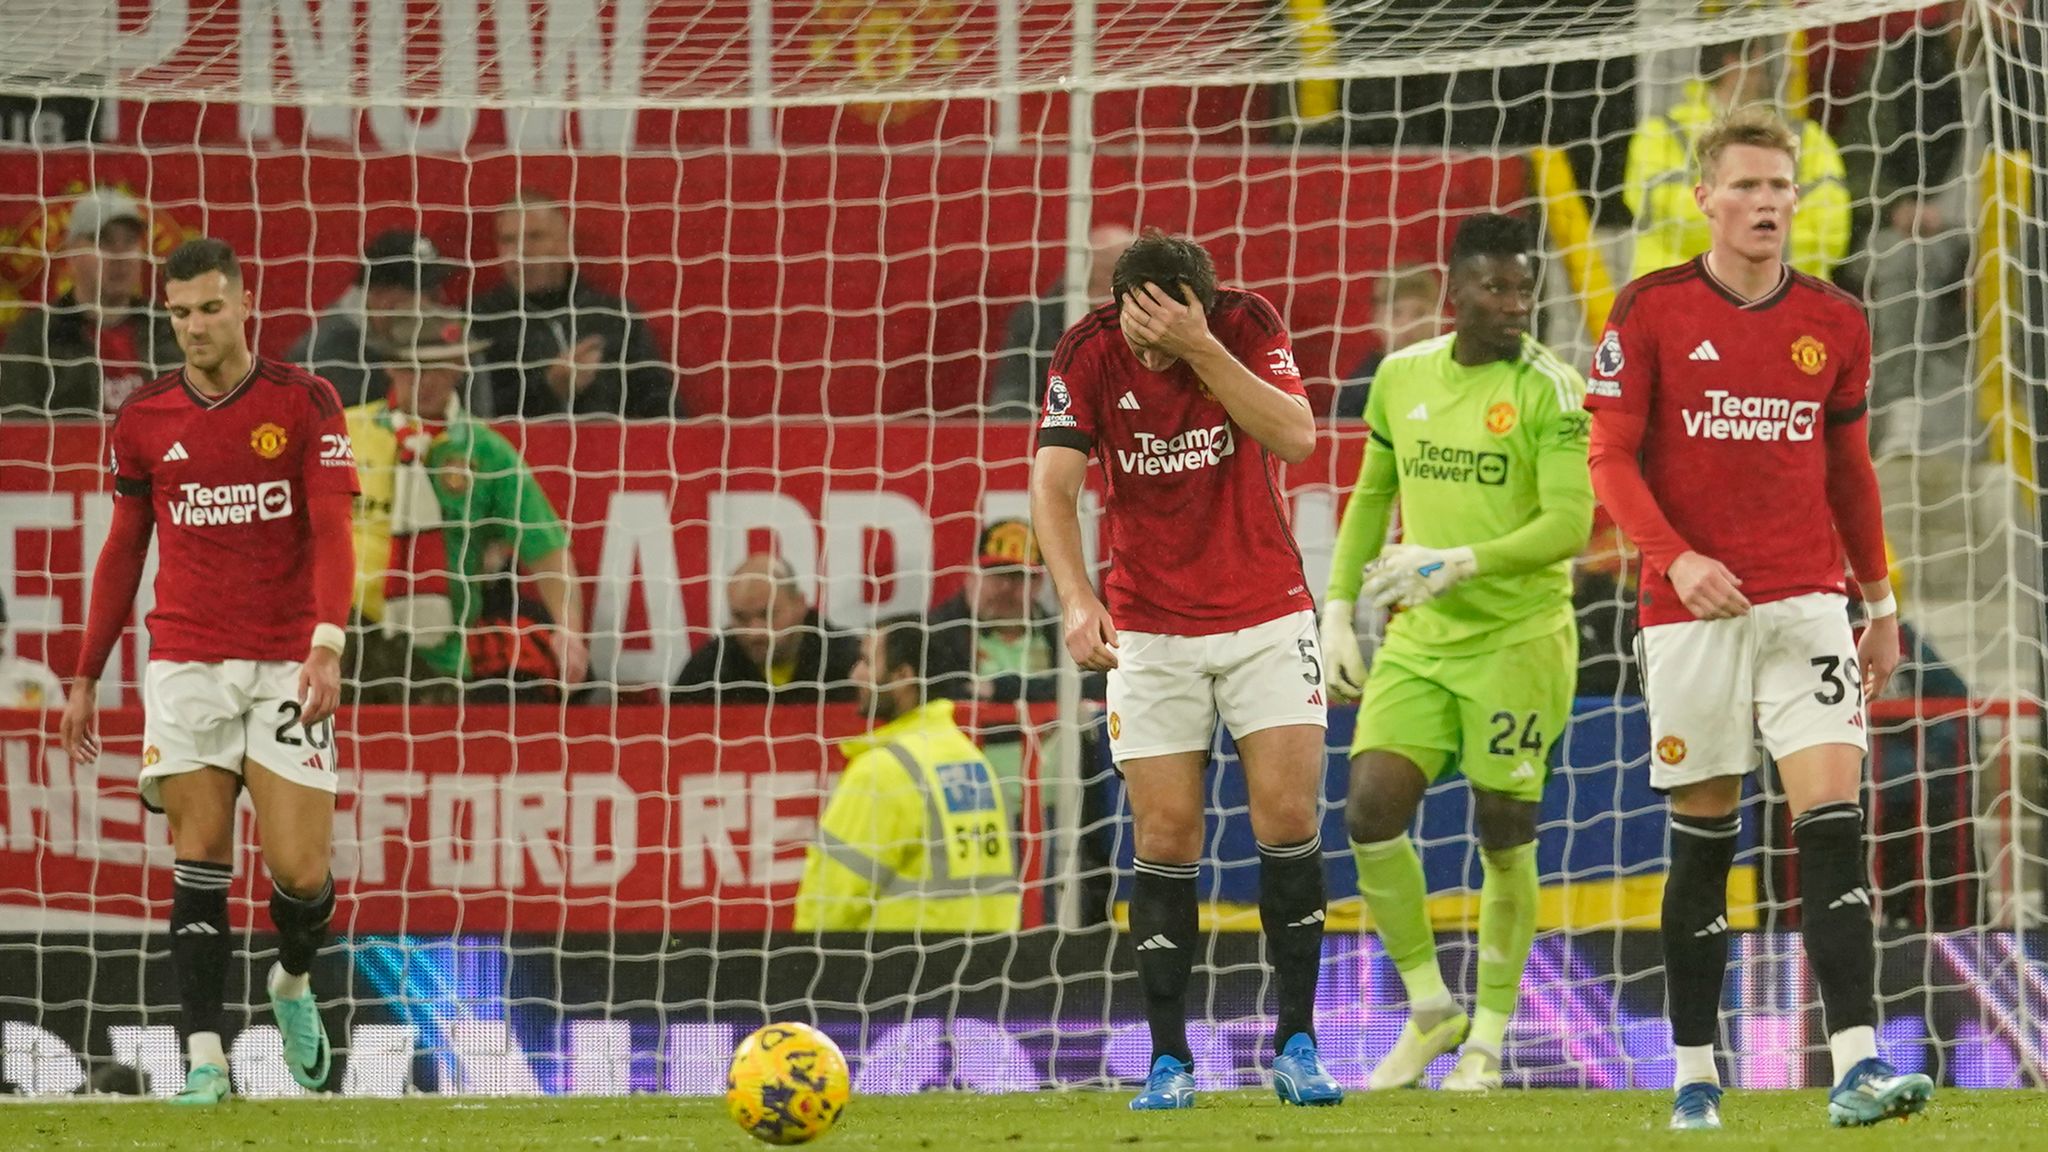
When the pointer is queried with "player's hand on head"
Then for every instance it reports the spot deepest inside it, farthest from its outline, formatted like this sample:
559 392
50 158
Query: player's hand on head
1878 654
1343 663
1410 575
1707 588
79 729
1091 637
1152 318
319 686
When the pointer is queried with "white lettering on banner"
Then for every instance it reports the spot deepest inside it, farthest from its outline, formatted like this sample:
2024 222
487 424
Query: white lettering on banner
83 811
1186 452
855 523
1767 418
382 810
568 61
530 829
462 822
709 809
639 554
600 861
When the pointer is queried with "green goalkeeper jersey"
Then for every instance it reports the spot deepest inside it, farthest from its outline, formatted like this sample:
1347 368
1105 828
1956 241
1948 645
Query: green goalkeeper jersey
1490 457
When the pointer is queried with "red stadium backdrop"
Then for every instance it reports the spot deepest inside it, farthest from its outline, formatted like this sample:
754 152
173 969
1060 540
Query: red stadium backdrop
586 820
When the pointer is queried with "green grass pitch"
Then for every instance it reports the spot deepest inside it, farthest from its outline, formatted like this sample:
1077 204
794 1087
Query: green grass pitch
1543 1121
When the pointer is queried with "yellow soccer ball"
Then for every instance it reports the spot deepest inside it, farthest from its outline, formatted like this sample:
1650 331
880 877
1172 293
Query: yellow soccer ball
787 1084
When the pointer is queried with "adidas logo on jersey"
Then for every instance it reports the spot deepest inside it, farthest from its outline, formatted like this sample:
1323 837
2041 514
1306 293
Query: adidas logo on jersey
1704 352
1523 771
176 452
1421 412
1156 943
1128 402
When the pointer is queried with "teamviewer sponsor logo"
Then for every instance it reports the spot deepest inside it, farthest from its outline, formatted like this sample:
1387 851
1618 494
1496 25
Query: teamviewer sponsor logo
1432 461
204 506
1158 455
1731 417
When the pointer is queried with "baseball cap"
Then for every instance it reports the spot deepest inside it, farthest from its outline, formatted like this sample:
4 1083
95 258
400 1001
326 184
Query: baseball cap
92 212
402 258
1007 544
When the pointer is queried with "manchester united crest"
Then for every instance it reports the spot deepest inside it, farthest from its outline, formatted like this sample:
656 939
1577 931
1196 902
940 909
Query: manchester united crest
1500 419
268 440
1116 726
1671 750
1810 354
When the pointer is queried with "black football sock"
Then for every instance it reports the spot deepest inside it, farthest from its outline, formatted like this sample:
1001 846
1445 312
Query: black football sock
199 941
1166 924
1834 913
301 924
1696 924
1291 911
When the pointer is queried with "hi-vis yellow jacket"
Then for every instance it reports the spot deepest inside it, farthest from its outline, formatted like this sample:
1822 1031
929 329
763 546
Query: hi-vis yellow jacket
914 838
1669 226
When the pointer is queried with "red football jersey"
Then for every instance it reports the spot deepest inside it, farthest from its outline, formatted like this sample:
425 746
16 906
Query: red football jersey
228 481
1735 395
1199 536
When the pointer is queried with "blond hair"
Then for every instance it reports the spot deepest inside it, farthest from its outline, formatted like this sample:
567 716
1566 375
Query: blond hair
1755 126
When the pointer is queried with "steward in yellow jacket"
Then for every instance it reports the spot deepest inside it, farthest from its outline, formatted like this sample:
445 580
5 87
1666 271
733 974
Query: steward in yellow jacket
1658 186
915 837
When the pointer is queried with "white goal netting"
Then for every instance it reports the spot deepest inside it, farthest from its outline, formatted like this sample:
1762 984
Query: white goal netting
771 288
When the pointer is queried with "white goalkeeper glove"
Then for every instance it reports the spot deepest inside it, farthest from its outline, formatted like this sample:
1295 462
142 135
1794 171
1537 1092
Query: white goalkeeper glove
1409 575
1343 663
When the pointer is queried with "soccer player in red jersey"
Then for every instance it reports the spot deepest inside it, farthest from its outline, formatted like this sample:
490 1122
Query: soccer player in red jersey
1731 443
1189 397
241 467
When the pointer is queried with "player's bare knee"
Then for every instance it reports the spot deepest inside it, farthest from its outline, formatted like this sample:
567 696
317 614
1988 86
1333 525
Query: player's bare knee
1504 821
1169 843
1708 799
1370 819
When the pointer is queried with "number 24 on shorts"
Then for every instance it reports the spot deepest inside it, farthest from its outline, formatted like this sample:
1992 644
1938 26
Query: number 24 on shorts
1506 724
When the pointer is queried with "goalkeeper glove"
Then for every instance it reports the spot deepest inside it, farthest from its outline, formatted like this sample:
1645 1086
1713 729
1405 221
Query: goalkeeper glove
1410 575
1343 664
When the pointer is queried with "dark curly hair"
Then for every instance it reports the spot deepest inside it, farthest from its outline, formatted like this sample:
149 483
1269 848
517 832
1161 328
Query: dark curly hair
1171 262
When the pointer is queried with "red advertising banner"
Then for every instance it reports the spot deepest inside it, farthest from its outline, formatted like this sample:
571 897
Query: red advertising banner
878 519
479 820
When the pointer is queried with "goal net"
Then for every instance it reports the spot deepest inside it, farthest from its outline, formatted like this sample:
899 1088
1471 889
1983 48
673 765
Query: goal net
837 242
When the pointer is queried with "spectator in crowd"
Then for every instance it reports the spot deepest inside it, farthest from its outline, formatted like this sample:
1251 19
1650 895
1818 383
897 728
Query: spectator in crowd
401 282
991 641
557 344
449 519
25 683
1034 328
1658 185
102 339
915 836
774 647
1915 278
1411 310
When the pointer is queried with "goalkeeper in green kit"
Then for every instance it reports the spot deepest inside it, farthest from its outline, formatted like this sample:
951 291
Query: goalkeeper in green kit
1482 436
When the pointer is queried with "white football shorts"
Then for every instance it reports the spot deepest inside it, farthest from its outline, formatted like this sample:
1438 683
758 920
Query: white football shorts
200 715
1787 670
1167 692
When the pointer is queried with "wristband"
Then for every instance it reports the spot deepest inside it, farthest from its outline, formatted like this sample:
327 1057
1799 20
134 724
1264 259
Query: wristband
330 637
1878 609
